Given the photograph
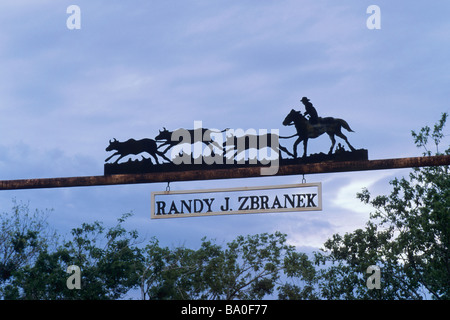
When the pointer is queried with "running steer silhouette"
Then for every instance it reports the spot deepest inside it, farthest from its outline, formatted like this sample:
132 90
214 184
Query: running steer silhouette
135 147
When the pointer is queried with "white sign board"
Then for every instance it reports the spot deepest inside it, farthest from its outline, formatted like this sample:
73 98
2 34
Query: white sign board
207 202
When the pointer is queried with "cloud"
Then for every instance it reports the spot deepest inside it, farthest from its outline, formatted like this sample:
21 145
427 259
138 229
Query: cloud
309 230
136 67
345 195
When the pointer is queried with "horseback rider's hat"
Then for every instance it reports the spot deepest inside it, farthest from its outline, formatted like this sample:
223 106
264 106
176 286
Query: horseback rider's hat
305 99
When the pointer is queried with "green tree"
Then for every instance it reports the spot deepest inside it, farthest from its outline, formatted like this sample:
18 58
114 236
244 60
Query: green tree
408 237
113 262
159 270
249 267
108 259
24 235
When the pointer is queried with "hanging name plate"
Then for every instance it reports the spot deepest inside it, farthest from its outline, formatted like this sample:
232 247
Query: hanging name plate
207 202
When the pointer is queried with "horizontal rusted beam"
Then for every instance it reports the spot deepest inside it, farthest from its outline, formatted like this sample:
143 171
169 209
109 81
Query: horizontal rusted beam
231 173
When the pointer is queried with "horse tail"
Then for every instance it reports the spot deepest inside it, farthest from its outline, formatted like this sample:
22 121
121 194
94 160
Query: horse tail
345 125
288 137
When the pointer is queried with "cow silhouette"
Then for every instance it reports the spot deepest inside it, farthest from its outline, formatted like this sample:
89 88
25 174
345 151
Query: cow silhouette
134 147
249 141
166 136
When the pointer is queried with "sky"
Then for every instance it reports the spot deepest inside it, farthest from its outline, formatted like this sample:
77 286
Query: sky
137 66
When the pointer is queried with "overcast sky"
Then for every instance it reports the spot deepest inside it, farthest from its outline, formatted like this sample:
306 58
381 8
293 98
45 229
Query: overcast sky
137 66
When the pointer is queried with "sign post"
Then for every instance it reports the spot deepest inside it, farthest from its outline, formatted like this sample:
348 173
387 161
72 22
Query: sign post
208 202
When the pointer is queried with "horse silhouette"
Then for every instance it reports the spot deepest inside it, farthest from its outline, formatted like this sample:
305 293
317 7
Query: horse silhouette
306 130
134 147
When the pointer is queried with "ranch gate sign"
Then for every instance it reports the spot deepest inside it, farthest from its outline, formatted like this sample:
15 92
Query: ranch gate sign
198 203
207 154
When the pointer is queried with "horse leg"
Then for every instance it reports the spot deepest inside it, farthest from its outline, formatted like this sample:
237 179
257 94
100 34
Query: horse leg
333 142
280 147
342 136
163 156
305 146
295 146
154 157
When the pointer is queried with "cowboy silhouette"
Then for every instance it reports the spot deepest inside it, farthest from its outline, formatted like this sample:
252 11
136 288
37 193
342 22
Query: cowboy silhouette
310 110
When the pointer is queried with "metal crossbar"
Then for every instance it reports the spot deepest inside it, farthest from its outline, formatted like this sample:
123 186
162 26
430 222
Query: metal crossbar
231 173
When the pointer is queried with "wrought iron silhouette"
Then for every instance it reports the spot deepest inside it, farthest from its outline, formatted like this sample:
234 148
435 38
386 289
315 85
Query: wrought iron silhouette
310 110
134 147
308 126
166 136
306 130
255 141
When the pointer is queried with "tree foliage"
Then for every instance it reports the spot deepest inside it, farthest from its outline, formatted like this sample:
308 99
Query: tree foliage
250 267
408 237
108 268
113 262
